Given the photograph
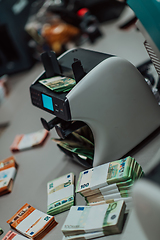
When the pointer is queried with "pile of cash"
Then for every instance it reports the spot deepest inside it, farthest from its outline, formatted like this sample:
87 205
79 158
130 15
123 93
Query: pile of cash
76 147
31 222
59 83
10 235
87 222
8 171
60 194
109 182
80 143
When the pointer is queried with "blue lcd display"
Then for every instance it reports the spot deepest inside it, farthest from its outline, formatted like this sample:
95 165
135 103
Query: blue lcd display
47 102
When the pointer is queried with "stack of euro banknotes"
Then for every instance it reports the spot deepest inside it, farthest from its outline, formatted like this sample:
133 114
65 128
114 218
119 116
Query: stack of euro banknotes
60 192
107 191
59 83
88 222
109 182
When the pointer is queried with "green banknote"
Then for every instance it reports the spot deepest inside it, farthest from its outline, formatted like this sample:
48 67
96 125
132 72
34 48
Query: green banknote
59 83
105 174
120 170
83 140
106 218
76 147
60 192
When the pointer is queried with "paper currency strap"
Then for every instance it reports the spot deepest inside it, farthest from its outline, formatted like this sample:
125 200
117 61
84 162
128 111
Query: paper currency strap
8 162
61 186
66 191
106 173
23 212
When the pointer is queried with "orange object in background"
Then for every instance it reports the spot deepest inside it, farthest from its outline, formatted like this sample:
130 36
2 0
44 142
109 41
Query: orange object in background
58 34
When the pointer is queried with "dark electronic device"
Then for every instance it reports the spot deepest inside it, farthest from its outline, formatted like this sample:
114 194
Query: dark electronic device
57 103
111 97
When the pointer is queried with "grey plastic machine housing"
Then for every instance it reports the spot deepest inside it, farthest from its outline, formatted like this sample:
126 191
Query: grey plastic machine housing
113 99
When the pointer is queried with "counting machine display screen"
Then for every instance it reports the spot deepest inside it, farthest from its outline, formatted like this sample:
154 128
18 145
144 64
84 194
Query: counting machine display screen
47 102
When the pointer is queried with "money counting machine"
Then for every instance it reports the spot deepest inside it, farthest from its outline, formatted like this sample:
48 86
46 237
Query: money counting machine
110 96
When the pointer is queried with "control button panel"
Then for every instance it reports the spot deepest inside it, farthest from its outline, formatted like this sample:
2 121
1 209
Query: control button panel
58 107
36 98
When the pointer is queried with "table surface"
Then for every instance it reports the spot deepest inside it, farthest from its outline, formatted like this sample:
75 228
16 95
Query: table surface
37 166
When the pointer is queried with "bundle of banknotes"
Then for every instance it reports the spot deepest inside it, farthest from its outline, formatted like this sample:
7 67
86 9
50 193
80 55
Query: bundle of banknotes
87 222
60 194
10 235
59 83
109 182
8 171
31 222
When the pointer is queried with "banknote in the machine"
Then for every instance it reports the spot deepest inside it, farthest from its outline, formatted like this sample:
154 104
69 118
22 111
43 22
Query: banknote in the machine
83 140
76 147
59 83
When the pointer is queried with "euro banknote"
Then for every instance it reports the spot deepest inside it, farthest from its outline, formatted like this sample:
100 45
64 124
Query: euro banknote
106 218
59 83
105 174
110 181
60 192
128 201
32 222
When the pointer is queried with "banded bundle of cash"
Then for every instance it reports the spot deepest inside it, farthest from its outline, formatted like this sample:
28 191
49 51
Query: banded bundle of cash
59 83
87 222
60 194
8 171
31 222
10 235
109 182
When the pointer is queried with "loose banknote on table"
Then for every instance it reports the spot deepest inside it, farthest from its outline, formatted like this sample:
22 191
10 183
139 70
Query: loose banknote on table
32 222
87 222
25 141
109 182
60 194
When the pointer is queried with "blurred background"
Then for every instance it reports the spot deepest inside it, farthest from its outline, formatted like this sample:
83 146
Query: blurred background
29 27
